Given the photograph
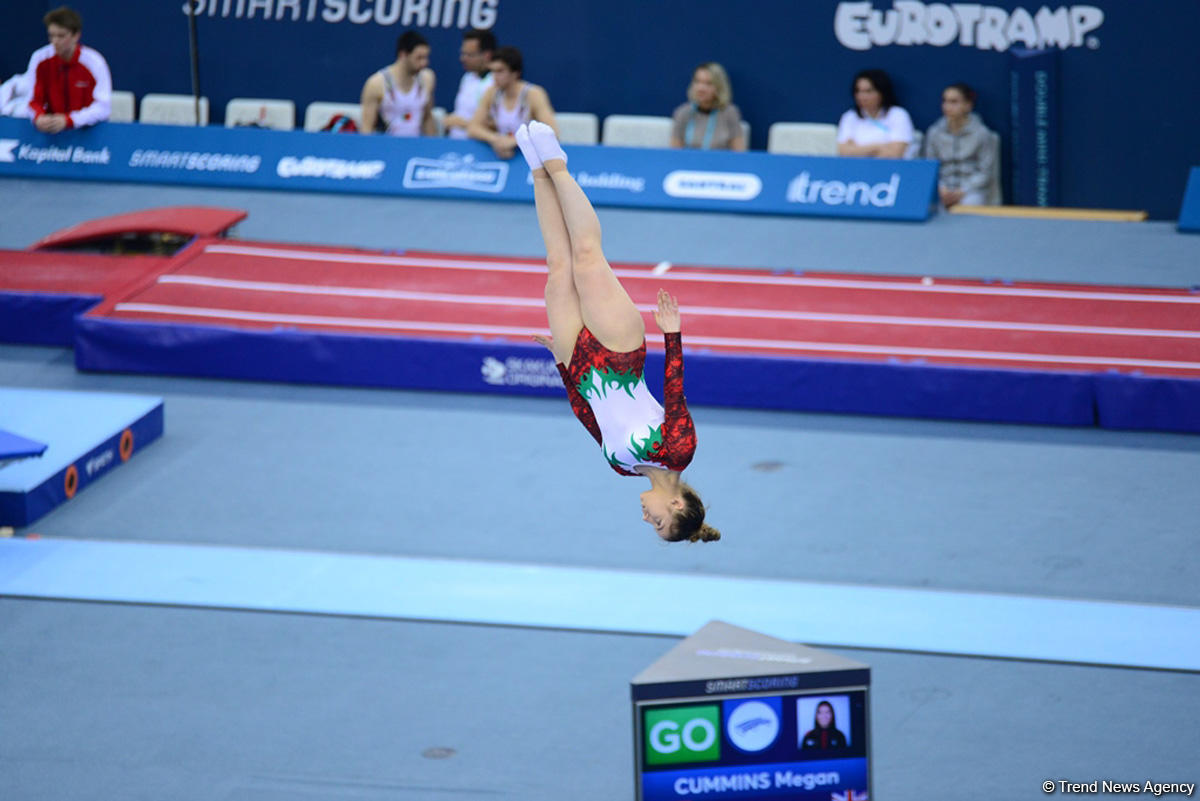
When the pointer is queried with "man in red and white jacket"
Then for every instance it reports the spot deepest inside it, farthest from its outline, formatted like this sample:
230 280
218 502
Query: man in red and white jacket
72 84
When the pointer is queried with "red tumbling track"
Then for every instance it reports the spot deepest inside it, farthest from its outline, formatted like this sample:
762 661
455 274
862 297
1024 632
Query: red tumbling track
829 316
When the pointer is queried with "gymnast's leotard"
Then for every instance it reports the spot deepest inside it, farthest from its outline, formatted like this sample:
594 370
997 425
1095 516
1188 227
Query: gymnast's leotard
609 396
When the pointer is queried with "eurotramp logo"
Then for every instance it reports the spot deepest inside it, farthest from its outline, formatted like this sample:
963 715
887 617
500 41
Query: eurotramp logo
753 725
861 26
683 734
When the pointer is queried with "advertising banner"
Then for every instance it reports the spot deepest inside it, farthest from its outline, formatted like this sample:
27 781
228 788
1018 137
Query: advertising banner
324 162
1035 128
1189 213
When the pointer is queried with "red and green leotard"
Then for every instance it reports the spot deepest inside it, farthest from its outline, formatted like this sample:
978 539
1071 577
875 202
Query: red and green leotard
609 396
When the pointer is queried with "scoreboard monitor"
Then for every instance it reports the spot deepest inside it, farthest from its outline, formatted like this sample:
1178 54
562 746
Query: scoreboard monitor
731 714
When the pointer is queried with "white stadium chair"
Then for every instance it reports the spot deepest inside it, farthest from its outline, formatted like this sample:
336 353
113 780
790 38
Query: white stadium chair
631 130
578 128
279 115
318 114
802 138
122 107
172 109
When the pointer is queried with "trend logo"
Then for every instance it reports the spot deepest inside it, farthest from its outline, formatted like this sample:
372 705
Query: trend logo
683 734
7 146
752 725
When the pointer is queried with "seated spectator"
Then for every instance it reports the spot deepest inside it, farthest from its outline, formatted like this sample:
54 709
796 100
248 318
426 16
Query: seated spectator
475 57
709 120
877 126
965 148
509 103
72 86
399 98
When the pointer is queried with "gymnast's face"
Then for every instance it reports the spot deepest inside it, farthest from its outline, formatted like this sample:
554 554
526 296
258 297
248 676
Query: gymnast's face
418 59
659 508
503 76
64 40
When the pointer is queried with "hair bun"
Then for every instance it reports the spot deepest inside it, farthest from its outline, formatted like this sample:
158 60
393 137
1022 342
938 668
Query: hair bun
706 534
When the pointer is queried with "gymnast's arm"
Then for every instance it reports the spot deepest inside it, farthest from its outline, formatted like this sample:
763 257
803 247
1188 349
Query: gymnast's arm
679 432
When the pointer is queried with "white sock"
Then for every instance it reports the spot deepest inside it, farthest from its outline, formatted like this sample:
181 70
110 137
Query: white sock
546 142
527 149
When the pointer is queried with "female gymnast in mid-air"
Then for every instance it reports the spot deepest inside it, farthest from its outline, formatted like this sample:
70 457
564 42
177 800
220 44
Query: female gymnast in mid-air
599 342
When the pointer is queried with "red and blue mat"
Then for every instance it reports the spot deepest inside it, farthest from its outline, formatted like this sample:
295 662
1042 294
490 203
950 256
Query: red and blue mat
1120 357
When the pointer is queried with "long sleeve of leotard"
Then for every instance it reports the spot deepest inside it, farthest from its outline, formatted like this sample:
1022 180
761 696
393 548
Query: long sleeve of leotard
679 432
580 406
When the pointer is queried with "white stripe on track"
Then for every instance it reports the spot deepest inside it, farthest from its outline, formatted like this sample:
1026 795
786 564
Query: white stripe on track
711 311
723 278
503 330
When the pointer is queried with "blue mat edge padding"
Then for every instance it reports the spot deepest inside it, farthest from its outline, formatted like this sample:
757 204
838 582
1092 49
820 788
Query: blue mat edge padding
26 508
41 318
759 382
564 597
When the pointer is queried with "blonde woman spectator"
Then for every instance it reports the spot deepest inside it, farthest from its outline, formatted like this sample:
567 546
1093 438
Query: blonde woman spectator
709 120
965 148
877 126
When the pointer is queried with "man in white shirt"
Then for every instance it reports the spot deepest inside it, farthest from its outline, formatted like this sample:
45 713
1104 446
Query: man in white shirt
475 56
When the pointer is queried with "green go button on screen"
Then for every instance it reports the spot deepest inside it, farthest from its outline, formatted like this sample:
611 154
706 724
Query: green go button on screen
683 734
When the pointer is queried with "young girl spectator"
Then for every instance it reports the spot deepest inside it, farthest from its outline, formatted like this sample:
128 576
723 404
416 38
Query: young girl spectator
876 126
965 148
709 120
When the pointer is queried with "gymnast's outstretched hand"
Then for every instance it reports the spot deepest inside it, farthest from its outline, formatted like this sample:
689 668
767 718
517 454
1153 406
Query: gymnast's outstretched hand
667 313
545 342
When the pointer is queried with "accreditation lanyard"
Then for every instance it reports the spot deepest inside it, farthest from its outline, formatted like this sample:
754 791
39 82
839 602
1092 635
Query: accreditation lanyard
708 132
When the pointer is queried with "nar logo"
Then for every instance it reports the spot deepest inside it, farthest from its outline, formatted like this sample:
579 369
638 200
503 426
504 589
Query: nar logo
455 171
712 185
7 146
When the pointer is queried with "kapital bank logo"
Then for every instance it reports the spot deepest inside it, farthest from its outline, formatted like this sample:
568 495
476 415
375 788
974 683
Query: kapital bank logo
7 146
683 734
861 26
455 171
712 185
753 725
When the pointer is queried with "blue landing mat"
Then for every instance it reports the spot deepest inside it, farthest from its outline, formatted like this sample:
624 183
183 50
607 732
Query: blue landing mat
621 601
908 389
88 433
14 446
